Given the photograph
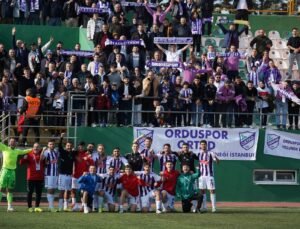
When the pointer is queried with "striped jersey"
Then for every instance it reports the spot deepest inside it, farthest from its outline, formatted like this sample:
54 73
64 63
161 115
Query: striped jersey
51 158
163 158
149 179
117 163
206 162
100 163
109 183
149 156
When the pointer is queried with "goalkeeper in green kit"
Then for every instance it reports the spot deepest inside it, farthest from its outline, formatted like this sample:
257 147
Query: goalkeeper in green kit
8 171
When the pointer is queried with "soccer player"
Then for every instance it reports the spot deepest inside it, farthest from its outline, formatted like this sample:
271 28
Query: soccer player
130 192
147 152
116 161
66 161
88 182
83 160
8 171
134 158
166 155
100 159
186 156
169 179
185 190
35 176
150 191
207 181
50 156
107 189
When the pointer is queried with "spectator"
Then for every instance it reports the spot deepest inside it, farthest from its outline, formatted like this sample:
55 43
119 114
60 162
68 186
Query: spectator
197 101
294 46
126 92
173 55
94 26
114 76
293 108
231 36
70 9
262 42
101 37
262 104
240 106
196 30
232 63
54 12
182 30
253 60
158 15
225 96
166 94
136 60
207 7
186 95
31 108
272 75
209 104
281 104
251 96
243 7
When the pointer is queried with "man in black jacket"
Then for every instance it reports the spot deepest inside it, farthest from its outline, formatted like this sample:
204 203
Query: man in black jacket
134 158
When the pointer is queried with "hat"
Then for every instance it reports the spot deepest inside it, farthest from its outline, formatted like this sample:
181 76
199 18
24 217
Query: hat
49 52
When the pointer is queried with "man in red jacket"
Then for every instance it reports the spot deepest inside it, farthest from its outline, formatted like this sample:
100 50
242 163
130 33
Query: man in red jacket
130 192
35 176
169 179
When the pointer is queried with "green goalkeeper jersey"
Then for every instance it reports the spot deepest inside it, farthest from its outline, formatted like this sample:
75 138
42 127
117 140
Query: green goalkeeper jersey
10 156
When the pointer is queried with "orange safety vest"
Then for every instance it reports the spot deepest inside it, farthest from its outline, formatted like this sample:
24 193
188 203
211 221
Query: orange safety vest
33 106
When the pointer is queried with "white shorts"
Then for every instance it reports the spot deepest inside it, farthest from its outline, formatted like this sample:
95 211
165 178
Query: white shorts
146 200
109 198
51 182
170 199
133 200
75 184
207 182
64 182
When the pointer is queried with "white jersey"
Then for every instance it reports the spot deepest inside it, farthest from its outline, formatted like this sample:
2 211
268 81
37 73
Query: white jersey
163 158
149 179
109 183
117 163
206 159
149 156
51 158
100 163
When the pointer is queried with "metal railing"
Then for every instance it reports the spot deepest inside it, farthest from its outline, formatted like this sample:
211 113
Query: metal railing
197 114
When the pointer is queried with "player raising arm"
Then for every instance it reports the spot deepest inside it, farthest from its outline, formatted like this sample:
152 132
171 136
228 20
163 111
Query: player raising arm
8 171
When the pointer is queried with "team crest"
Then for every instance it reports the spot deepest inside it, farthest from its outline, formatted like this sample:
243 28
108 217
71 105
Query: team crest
273 141
146 132
247 139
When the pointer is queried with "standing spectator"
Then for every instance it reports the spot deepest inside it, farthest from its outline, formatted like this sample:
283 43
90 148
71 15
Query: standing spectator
150 90
126 92
225 96
154 33
94 26
209 105
35 176
196 30
34 9
186 95
197 99
251 96
159 15
281 104
294 46
101 37
136 60
207 8
141 35
262 42
70 9
114 76
240 104
293 108
25 82
253 60
173 55
231 36
54 13
232 63
31 108
242 13
182 30
20 49
272 75
264 94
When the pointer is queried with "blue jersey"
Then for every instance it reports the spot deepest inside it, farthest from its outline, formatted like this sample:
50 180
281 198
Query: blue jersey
88 182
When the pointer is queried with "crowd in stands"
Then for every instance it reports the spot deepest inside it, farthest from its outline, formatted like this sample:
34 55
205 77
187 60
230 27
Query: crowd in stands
207 80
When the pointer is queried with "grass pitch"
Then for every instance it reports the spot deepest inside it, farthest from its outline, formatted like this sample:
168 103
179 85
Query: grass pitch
287 218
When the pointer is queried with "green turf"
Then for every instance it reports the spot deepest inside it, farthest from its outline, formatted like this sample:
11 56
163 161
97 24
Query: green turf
225 218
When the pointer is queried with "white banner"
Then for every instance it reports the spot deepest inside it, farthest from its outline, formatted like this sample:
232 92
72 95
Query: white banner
228 144
282 144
